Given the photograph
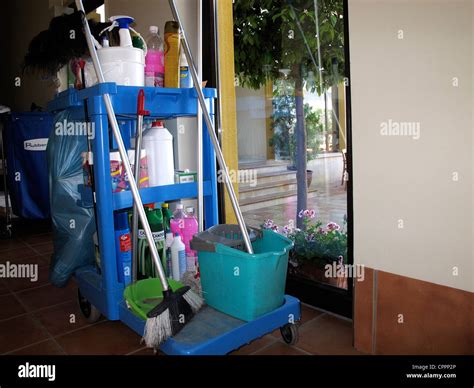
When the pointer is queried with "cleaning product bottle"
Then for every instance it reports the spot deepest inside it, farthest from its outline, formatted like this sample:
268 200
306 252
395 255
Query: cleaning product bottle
146 265
190 229
158 143
185 80
124 32
178 258
154 61
167 216
177 223
172 43
123 247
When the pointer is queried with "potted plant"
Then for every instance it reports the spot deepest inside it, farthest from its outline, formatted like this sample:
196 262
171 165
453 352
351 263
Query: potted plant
318 249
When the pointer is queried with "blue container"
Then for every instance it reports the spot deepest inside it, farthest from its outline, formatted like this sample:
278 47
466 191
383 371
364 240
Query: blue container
26 138
241 285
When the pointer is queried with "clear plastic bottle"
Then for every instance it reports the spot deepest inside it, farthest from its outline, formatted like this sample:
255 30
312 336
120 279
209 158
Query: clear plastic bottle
154 61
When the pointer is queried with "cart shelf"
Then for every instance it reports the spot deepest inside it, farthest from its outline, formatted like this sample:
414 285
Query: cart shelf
124 199
164 103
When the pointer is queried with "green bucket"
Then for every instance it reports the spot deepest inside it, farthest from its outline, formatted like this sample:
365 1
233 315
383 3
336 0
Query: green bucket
239 284
144 295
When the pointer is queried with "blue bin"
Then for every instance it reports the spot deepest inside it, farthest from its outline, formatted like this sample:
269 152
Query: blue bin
26 136
236 283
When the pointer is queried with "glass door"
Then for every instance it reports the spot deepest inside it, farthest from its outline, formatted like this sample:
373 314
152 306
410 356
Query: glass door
293 119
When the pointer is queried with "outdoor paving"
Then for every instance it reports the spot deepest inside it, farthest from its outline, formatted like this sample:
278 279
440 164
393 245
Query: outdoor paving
330 204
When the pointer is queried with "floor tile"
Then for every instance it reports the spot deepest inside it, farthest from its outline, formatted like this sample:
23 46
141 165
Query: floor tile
327 335
13 255
36 239
48 295
3 288
280 349
9 244
307 314
258 344
44 248
19 284
10 307
62 318
19 332
45 348
104 338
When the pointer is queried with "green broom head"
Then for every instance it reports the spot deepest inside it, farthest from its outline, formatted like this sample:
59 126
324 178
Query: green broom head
171 315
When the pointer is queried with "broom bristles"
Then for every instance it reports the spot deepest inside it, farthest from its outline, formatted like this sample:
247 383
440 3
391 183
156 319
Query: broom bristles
194 300
158 329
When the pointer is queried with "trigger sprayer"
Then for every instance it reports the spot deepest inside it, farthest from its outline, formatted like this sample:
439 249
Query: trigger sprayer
123 23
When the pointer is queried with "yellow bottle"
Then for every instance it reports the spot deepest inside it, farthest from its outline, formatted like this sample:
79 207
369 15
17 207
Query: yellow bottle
172 49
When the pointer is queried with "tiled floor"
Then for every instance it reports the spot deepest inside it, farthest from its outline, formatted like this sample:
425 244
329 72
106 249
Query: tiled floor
39 319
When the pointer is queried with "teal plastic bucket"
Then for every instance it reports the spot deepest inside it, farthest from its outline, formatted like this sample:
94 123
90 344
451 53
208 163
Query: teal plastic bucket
242 285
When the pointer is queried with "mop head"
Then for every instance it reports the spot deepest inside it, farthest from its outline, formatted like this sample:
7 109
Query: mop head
170 316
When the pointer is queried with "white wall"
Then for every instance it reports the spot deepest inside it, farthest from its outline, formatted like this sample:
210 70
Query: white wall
398 178
251 123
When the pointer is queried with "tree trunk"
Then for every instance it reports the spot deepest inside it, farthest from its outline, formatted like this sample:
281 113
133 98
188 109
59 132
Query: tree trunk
302 193
335 117
326 121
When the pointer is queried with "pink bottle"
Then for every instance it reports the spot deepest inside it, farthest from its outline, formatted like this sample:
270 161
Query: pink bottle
154 61
177 222
191 227
185 224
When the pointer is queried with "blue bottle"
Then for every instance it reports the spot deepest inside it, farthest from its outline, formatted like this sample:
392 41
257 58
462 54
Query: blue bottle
123 248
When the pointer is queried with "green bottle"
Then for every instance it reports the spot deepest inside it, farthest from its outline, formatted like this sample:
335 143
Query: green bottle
167 216
146 265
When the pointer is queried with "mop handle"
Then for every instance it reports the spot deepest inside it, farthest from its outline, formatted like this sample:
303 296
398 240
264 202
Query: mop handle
122 150
212 132
138 150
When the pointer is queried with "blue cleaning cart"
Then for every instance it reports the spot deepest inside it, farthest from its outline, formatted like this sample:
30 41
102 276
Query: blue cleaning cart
210 332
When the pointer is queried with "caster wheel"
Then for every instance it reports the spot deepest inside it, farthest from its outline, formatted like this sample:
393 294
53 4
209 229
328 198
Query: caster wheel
6 234
90 312
289 333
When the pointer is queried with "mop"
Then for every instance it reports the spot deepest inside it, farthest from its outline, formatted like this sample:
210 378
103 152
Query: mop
178 307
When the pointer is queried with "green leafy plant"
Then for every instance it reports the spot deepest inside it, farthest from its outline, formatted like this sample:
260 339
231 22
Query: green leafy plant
275 37
315 243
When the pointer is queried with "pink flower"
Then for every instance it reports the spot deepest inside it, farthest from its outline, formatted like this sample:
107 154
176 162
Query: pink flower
333 226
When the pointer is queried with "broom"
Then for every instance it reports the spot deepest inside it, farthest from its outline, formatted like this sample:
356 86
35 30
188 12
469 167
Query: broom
178 307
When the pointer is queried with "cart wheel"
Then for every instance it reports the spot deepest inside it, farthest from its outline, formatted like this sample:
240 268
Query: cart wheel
6 233
289 332
90 312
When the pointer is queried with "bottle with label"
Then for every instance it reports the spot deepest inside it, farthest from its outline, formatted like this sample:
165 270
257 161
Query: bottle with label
172 44
185 79
177 223
146 265
158 143
178 258
123 248
190 229
154 61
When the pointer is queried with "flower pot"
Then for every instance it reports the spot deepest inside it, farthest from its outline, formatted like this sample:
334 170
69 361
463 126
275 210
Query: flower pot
316 273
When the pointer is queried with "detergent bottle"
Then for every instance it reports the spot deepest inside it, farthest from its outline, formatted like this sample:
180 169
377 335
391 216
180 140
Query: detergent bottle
158 143
124 64
146 266
123 248
190 229
154 60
